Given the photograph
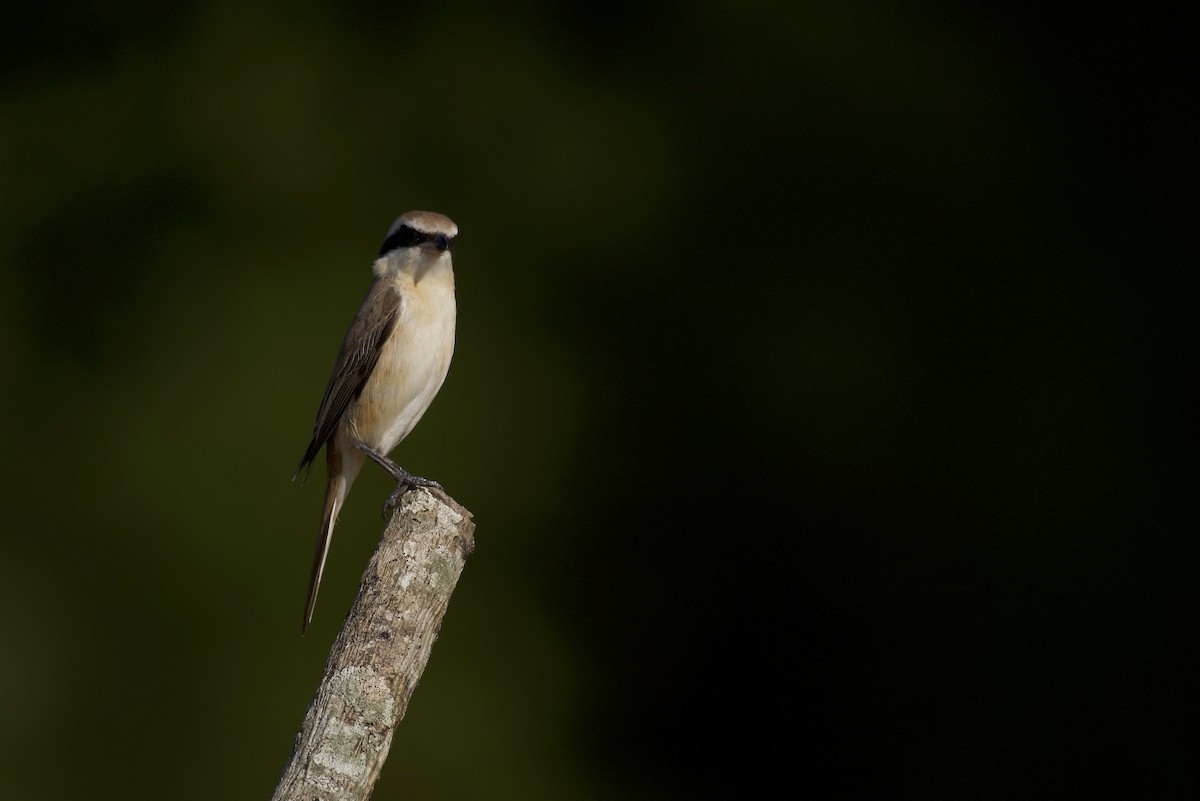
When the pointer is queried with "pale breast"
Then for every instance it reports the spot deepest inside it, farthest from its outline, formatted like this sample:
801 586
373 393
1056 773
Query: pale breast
412 364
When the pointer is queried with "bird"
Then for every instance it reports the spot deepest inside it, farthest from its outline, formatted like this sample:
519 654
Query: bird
392 362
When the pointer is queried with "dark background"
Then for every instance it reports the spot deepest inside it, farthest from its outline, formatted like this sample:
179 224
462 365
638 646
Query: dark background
816 394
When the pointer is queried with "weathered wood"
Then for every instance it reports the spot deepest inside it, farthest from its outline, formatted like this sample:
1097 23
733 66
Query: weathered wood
381 651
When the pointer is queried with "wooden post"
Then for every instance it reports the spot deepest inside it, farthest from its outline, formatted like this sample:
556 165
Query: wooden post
381 651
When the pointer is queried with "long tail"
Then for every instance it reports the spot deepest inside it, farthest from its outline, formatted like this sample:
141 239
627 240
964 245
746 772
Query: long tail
335 494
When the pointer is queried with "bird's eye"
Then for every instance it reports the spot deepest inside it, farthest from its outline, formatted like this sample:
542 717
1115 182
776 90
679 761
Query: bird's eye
442 242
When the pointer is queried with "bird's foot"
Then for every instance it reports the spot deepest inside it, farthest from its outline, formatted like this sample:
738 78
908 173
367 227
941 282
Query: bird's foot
403 486
404 479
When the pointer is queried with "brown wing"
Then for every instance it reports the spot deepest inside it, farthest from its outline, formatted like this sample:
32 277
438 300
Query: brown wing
355 362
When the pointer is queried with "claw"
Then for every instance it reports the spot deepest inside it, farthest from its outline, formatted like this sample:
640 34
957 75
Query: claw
393 500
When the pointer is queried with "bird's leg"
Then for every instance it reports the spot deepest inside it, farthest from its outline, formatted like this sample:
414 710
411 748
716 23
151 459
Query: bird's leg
404 479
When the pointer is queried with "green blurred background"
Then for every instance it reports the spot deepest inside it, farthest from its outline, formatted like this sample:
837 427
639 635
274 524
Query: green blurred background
808 394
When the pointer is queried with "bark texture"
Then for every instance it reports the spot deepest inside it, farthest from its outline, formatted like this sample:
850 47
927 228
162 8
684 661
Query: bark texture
381 651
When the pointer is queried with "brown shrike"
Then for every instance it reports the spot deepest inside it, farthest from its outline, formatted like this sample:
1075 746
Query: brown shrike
392 362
